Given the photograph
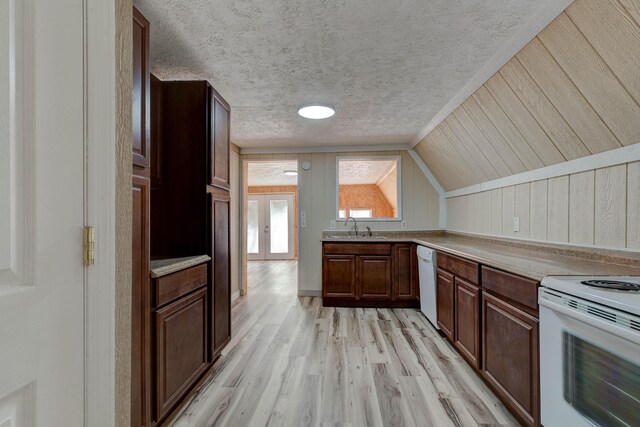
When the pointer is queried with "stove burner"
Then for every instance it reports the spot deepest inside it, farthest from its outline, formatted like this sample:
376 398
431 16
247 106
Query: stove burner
613 284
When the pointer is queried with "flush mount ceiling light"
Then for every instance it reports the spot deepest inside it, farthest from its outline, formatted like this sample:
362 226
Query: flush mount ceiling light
291 173
316 111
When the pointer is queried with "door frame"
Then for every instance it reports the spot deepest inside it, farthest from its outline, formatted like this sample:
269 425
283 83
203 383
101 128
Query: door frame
107 208
244 188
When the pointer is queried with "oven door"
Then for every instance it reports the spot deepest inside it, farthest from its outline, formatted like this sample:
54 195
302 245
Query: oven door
589 363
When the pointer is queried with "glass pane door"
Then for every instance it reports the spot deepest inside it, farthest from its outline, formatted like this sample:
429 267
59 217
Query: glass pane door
279 226
253 227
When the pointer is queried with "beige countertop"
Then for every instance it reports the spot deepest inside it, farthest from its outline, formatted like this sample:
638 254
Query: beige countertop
164 266
528 259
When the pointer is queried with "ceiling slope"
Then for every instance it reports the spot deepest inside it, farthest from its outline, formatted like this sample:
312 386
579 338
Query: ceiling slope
573 91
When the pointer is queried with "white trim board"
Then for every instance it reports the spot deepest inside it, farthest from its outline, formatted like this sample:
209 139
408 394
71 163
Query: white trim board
325 149
442 220
614 157
99 200
547 13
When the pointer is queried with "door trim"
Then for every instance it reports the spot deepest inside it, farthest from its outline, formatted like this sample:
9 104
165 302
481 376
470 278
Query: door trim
103 331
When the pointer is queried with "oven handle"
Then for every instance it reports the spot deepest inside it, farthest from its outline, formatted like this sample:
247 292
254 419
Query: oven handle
591 320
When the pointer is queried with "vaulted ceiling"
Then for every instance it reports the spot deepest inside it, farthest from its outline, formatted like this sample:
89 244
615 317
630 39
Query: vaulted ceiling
573 91
387 66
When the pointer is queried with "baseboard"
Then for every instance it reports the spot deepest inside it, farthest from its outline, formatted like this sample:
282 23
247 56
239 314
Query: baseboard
309 293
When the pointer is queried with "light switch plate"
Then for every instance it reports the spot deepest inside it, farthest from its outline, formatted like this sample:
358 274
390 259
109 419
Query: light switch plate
303 223
403 224
516 224
303 214
333 223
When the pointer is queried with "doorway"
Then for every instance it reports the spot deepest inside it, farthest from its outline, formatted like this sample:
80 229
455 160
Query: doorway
271 212
270 227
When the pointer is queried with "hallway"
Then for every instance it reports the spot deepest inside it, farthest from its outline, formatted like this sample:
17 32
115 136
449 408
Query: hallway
292 362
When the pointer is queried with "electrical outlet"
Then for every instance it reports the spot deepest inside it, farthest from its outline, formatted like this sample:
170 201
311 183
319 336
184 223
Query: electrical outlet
403 224
516 224
303 223
333 223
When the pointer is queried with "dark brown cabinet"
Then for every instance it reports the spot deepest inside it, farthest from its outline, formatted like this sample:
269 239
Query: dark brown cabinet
491 318
405 271
445 296
339 276
141 90
156 133
374 277
467 321
181 348
219 152
369 275
510 360
140 304
141 373
221 271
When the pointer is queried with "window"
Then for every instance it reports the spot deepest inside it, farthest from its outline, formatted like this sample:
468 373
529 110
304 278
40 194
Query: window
368 187
361 213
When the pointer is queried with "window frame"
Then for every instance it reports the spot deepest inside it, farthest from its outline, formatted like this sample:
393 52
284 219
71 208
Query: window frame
397 158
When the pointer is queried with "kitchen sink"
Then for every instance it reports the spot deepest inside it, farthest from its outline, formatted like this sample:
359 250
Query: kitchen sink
356 237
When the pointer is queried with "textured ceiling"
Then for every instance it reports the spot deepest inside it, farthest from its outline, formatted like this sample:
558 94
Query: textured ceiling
387 66
272 173
364 171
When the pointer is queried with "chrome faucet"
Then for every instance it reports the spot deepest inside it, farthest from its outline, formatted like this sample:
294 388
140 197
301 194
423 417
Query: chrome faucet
355 225
369 231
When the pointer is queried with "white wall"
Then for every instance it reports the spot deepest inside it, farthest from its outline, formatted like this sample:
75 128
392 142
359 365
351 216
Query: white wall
598 207
317 196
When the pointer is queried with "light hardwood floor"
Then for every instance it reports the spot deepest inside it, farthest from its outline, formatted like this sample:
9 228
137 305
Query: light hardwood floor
292 362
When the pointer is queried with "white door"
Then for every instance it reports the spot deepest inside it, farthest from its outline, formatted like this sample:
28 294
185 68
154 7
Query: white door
41 213
270 227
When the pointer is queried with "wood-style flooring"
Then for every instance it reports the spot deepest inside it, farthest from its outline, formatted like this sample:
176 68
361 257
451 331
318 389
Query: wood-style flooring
292 362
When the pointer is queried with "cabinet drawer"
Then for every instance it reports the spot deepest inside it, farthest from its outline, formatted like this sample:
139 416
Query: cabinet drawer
515 288
175 285
357 248
460 267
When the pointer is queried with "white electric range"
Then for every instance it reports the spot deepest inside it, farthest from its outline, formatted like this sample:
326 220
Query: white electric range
590 351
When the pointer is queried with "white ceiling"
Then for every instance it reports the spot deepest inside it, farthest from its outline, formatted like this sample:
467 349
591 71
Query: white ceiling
364 171
387 66
272 173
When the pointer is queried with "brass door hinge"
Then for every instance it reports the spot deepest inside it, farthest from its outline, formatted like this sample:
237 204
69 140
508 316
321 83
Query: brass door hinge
88 242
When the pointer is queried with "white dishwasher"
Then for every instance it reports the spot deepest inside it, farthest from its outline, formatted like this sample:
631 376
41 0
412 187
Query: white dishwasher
427 275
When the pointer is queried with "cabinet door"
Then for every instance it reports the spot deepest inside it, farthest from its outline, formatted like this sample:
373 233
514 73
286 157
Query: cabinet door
467 321
445 302
219 144
510 357
221 271
181 349
374 277
140 305
405 282
141 90
339 276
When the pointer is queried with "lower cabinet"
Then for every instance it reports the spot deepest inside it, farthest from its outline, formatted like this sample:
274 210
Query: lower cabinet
374 273
370 275
467 321
445 296
181 348
510 357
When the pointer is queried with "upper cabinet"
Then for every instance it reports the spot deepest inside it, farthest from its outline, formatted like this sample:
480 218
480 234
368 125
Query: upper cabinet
141 91
219 141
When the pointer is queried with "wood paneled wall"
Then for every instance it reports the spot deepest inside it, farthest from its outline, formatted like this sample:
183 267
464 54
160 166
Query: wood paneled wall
573 91
317 193
595 208
365 196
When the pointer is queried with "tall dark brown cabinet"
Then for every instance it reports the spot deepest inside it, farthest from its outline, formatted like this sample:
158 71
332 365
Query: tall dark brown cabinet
141 192
190 209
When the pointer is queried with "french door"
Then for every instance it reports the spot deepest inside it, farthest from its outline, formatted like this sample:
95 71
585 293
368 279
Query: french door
270 227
